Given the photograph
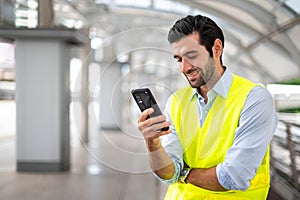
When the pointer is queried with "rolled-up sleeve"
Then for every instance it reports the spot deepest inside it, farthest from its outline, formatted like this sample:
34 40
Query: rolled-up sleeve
173 148
257 124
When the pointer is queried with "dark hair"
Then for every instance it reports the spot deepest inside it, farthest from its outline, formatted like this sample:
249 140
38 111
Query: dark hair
208 31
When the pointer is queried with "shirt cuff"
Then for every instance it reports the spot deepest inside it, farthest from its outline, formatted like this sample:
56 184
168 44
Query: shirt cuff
222 177
226 181
175 177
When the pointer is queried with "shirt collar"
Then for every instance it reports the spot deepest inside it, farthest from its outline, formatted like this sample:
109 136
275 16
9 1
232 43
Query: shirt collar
221 87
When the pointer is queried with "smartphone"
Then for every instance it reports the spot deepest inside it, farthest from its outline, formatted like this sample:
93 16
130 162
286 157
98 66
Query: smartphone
145 99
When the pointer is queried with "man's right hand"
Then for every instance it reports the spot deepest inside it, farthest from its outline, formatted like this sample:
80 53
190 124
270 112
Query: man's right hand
159 160
151 129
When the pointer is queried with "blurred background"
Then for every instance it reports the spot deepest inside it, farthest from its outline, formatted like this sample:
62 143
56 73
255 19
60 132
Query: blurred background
67 119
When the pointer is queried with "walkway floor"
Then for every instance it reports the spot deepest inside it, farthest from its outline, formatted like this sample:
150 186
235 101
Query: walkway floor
88 179
112 167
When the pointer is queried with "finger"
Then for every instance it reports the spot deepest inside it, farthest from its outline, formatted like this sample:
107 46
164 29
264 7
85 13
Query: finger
158 119
152 123
157 134
144 124
145 114
153 131
160 125
161 133
156 123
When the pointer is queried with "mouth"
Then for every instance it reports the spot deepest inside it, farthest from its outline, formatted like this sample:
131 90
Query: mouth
192 73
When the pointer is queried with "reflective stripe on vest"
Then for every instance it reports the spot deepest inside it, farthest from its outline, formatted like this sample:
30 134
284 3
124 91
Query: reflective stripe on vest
206 146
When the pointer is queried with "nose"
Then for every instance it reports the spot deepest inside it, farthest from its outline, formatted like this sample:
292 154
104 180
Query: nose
185 65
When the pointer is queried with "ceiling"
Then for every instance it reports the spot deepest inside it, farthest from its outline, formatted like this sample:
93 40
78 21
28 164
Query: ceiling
261 36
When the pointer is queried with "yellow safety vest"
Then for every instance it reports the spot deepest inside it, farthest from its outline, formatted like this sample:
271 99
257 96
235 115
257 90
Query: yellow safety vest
206 146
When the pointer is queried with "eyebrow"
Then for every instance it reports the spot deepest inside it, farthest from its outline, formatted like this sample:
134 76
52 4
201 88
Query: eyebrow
176 57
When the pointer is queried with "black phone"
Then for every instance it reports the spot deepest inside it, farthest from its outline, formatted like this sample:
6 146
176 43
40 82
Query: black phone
145 99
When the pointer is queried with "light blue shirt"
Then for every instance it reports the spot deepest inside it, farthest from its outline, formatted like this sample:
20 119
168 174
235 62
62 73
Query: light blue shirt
257 123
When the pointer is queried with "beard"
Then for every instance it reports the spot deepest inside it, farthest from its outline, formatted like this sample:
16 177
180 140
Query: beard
204 75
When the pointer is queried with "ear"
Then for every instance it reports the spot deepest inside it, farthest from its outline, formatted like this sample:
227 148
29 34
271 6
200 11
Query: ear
217 49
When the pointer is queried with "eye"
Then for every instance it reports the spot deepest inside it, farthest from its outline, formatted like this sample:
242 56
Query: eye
191 57
179 60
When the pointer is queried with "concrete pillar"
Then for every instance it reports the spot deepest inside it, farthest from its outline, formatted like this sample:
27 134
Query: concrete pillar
85 95
7 13
110 95
43 97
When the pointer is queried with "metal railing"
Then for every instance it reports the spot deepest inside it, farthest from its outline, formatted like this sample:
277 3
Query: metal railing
285 160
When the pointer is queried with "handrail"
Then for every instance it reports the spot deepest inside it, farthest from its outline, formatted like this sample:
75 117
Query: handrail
291 148
284 154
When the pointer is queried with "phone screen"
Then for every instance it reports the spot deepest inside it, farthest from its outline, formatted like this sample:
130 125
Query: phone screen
145 99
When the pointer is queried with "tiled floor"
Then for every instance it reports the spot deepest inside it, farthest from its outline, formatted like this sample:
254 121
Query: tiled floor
88 179
112 166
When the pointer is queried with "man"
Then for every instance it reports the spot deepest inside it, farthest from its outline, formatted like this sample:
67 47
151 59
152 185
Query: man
221 125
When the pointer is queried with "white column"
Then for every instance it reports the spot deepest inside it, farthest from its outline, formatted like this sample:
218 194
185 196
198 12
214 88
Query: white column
42 97
110 95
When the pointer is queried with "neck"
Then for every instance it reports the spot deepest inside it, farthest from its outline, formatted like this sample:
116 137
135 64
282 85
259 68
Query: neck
204 89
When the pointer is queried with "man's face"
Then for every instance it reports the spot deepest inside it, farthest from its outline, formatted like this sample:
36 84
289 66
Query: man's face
194 60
